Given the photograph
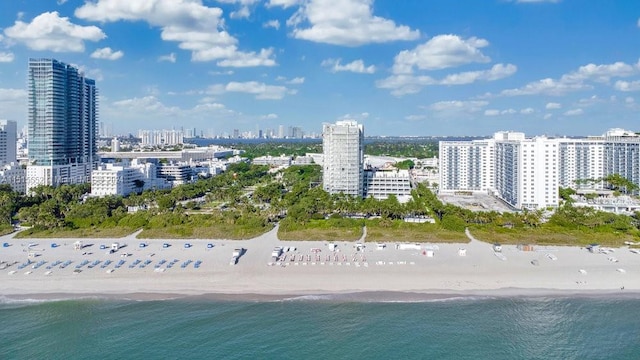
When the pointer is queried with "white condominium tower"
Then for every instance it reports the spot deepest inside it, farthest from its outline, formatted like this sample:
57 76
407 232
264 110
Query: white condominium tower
526 170
343 148
622 154
527 173
61 124
580 160
520 171
467 165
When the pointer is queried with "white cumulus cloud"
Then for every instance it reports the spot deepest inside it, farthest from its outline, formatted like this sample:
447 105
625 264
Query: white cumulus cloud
627 85
107 53
441 52
403 84
169 57
283 3
6 57
272 24
261 91
459 105
344 22
194 26
497 71
49 31
296 81
356 66
574 112
577 80
552 106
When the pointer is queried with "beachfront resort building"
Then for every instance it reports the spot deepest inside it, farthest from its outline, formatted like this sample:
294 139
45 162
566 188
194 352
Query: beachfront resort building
343 165
467 165
621 154
580 159
527 172
380 183
62 112
111 179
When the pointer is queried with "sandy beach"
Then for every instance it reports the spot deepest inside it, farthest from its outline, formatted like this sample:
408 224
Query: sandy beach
156 270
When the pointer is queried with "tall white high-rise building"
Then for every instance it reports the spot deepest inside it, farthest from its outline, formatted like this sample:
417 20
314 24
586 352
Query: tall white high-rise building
343 148
8 141
62 109
579 161
621 154
526 171
467 165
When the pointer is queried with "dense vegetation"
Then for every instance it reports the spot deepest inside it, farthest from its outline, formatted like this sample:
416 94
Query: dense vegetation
417 149
252 151
420 150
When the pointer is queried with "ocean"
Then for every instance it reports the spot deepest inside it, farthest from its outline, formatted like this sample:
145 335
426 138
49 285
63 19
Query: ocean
322 327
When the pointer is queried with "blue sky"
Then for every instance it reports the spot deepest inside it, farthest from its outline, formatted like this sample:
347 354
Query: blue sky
401 67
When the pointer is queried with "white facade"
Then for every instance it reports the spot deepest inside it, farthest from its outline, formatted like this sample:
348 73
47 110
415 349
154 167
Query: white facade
55 175
621 155
382 183
467 165
14 175
527 172
580 160
176 174
123 180
115 145
160 137
343 149
8 142
273 160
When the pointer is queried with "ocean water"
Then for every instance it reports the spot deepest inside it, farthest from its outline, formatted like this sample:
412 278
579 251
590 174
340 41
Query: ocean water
322 327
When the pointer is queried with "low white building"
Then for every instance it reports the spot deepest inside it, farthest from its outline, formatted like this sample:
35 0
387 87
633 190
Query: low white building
14 175
112 179
273 160
175 173
303 160
56 175
382 183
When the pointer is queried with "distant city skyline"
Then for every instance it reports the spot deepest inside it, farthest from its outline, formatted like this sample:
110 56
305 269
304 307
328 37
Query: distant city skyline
411 68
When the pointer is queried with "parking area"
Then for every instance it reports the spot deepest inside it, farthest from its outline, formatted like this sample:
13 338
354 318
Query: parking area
475 202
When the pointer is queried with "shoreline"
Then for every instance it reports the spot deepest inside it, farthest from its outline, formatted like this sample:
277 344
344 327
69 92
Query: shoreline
360 297
308 270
